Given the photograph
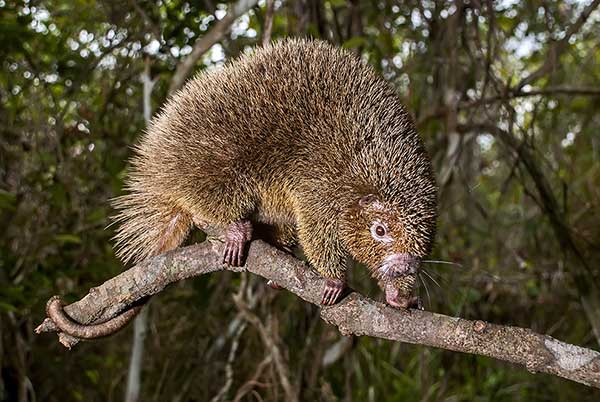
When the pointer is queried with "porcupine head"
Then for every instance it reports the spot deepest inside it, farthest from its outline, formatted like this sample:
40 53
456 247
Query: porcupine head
390 222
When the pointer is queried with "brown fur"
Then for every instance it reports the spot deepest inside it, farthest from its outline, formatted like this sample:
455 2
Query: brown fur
293 136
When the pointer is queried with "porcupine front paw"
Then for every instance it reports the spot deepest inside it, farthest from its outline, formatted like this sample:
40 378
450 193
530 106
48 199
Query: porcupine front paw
416 303
237 235
332 292
413 302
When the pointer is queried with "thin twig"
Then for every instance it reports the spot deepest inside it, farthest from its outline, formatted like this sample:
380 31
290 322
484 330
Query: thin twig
229 366
557 48
270 345
253 382
212 36
268 25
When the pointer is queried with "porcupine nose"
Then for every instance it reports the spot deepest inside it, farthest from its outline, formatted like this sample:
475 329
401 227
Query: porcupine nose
401 264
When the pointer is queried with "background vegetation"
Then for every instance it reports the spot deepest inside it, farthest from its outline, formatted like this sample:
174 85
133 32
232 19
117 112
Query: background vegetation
506 95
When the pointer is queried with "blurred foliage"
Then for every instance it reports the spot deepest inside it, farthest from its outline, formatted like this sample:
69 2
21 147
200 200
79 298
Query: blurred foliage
71 107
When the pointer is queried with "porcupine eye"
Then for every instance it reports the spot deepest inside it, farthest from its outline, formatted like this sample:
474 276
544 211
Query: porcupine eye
379 232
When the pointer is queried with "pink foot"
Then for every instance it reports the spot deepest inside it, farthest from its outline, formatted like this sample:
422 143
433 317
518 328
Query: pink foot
238 234
405 302
333 290
394 299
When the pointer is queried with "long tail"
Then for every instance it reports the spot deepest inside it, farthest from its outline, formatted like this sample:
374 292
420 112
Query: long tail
148 226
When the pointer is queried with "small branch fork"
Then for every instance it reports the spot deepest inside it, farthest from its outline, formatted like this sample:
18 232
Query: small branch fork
354 315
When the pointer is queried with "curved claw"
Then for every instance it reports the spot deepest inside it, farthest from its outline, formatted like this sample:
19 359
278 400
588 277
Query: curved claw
233 253
236 254
238 234
274 285
416 303
333 290
225 254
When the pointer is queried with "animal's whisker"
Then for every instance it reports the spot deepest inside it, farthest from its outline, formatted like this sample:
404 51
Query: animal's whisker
443 262
431 277
426 289
447 290
442 279
381 273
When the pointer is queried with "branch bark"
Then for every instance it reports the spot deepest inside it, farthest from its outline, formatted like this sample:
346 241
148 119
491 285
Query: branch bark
354 315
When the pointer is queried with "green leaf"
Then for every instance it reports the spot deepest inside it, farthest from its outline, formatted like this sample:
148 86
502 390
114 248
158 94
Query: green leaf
337 3
473 295
93 376
355 42
7 308
97 215
67 239
8 200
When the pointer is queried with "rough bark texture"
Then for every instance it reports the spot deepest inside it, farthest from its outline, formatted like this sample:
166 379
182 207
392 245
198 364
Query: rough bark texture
354 315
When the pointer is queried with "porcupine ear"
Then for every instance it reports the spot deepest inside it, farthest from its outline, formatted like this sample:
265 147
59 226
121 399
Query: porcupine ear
370 200
367 200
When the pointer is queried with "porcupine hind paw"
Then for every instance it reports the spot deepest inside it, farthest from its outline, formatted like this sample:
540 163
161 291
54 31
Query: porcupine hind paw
332 292
238 234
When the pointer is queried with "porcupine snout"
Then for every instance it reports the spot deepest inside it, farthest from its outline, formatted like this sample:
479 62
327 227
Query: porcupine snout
400 264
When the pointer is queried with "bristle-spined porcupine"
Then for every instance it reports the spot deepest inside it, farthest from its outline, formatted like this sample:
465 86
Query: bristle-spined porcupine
300 136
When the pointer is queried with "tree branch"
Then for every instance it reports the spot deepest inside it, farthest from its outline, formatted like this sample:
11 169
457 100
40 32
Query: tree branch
212 36
509 94
557 48
268 24
147 20
354 315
